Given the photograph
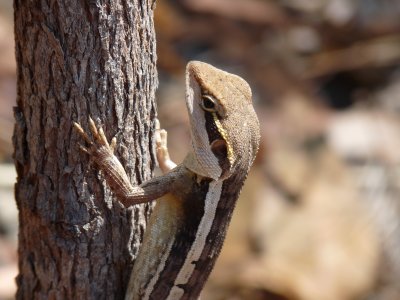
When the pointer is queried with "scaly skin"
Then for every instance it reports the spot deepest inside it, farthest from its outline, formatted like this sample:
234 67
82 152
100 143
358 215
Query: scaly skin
188 226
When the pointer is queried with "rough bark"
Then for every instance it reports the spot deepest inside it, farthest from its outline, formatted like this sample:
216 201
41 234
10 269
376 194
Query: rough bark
79 58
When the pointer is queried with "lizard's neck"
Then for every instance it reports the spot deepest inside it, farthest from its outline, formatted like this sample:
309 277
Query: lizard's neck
186 236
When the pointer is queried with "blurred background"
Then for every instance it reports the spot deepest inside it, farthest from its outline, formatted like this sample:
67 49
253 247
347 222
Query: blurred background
319 217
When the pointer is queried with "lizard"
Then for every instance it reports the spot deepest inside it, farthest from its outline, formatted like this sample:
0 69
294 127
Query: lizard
196 198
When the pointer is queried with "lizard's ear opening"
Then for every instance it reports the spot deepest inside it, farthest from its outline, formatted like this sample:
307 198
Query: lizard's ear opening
219 148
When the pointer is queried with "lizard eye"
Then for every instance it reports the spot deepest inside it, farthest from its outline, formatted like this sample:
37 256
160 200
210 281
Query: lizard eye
208 103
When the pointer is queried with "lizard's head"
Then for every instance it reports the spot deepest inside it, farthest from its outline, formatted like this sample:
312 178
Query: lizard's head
224 126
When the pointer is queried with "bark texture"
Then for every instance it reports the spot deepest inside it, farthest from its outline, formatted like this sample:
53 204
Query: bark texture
79 58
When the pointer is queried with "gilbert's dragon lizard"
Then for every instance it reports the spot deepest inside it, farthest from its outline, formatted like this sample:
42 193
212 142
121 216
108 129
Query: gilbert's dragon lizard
188 225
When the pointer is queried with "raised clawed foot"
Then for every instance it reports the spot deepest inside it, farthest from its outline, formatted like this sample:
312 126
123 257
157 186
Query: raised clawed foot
163 158
98 147
99 142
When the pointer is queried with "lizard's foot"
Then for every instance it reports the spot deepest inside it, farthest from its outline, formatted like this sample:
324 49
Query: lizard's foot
99 146
163 158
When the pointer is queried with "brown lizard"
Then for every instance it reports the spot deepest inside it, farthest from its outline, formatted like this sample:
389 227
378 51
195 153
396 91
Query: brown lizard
197 197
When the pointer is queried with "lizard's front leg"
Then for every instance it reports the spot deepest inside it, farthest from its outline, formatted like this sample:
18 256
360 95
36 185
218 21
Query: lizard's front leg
102 153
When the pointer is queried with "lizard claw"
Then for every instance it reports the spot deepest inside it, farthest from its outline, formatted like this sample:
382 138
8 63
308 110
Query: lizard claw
83 134
102 137
163 158
83 149
162 142
96 133
99 141
161 136
92 127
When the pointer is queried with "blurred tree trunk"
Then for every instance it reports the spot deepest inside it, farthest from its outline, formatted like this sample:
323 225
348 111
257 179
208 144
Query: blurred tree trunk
79 58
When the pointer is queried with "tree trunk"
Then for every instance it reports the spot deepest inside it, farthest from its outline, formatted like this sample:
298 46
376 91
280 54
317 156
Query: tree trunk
76 59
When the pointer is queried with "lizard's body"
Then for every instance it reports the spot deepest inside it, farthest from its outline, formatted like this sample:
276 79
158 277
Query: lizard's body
188 225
